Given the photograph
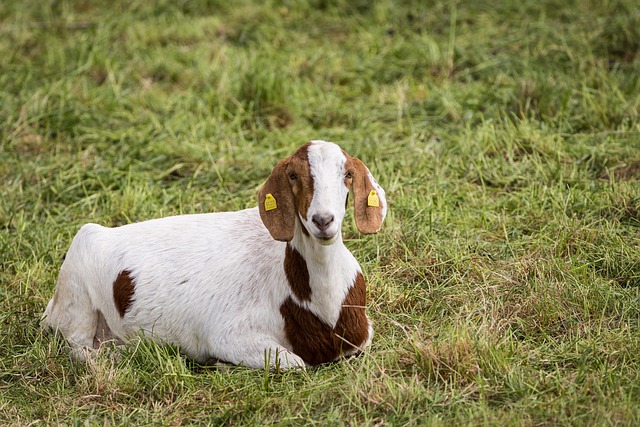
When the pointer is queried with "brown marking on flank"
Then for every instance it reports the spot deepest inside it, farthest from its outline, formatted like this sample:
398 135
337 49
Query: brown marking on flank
295 268
315 341
123 289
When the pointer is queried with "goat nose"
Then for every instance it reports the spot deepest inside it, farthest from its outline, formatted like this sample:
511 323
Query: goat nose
322 221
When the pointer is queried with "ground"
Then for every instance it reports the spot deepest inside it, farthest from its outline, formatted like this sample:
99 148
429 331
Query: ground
504 284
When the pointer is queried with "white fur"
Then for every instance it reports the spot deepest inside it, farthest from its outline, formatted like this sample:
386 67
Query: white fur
327 164
212 284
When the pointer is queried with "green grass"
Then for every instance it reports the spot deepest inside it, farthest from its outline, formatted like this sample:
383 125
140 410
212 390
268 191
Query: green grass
504 285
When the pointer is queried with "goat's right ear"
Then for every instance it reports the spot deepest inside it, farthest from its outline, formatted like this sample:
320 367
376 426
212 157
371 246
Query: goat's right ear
277 205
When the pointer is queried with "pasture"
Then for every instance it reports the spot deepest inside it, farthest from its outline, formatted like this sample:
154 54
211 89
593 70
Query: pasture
504 286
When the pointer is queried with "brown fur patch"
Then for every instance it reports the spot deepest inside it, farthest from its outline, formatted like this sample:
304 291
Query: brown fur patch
292 195
295 268
311 338
302 188
315 341
368 218
123 289
353 324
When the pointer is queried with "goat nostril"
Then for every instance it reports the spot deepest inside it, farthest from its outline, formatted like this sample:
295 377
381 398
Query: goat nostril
322 221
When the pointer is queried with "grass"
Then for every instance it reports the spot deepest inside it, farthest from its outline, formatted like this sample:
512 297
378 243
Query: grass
504 286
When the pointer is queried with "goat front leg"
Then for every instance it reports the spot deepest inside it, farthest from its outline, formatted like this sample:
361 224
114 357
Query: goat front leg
258 351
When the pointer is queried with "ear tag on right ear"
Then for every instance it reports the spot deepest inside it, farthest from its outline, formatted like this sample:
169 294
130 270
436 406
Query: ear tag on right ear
373 199
270 202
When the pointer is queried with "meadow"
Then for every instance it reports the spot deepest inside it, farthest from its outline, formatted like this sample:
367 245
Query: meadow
504 286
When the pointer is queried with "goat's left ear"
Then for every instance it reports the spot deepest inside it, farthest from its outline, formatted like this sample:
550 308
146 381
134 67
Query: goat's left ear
277 205
370 204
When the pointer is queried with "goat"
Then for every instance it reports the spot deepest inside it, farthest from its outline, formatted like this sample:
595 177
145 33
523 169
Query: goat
272 282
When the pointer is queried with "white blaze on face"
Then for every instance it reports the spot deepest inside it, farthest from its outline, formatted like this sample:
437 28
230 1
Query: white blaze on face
327 208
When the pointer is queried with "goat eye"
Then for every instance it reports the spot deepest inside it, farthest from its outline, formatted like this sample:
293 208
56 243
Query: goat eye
293 176
348 175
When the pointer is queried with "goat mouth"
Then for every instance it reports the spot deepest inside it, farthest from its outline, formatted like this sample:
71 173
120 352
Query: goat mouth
326 239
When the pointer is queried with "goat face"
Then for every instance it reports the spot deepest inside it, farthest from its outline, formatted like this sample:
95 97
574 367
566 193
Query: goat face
312 186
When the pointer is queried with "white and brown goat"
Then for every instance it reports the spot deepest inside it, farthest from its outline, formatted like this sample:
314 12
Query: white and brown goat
274 281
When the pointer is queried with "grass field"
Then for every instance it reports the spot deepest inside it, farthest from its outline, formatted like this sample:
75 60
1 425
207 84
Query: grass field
504 285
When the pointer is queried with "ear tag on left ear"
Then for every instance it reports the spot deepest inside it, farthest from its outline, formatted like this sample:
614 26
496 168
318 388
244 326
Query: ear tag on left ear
270 202
373 199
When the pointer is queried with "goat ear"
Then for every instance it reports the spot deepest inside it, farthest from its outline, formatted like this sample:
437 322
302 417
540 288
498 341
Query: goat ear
370 203
277 205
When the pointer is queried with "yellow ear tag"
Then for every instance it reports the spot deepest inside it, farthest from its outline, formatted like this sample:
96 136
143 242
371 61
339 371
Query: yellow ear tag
373 199
270 202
